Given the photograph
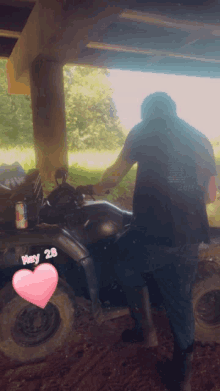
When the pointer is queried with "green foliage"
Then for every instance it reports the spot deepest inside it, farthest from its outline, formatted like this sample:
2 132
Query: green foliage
216 148
15 115
91 116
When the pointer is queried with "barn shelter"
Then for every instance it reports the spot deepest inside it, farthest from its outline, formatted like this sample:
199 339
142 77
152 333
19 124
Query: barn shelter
39 37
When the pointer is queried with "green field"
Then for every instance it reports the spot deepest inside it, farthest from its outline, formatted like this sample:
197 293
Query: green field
87 168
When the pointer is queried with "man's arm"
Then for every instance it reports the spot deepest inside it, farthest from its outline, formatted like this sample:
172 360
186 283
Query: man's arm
114 174
206 170
210 195
209 189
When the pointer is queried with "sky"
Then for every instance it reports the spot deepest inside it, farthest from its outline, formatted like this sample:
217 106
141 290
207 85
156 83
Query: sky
197 99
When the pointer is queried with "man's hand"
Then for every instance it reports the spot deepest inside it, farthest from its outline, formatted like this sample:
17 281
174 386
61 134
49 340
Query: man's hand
91 190
99 189
113 175
87 189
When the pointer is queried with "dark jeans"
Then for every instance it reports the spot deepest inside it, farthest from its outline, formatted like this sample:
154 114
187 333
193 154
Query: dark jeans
174 271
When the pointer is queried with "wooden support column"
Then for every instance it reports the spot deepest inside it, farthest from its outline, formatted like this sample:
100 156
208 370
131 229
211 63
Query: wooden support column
49 124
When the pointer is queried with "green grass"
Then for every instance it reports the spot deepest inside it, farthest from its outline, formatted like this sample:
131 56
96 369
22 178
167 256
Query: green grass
26 157
84 168
91 160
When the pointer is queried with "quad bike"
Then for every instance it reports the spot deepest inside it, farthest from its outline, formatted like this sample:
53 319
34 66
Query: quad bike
83 234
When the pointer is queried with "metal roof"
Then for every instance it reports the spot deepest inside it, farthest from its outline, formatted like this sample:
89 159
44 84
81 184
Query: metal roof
164 37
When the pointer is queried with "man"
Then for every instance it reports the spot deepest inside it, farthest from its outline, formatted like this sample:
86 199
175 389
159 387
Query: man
175 179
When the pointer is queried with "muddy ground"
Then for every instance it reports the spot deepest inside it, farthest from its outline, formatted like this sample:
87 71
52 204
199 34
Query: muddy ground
100 361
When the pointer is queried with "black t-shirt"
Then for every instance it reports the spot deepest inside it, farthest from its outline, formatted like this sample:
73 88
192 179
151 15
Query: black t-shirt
174 161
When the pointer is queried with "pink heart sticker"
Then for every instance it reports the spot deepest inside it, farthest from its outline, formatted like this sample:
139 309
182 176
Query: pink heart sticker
38 286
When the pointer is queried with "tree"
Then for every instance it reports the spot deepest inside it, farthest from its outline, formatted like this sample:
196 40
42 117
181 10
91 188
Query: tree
91 115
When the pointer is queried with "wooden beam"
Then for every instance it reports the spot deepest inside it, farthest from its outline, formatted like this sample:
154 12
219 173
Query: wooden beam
145 63
9 34
164 21
153 52
18 3
48 109
63 35
24 52
58 34
20 87
197 30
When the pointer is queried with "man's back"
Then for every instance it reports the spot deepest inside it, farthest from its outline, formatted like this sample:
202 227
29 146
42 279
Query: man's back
174 163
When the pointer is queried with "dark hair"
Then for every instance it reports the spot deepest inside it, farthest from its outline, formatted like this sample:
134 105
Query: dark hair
159 103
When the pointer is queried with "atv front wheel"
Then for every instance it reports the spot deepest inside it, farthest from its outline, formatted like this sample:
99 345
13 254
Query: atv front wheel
27 332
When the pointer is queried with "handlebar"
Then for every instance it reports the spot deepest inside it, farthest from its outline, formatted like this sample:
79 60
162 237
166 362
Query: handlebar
62 173
87 190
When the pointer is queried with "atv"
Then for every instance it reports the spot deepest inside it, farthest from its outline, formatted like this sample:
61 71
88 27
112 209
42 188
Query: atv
77 237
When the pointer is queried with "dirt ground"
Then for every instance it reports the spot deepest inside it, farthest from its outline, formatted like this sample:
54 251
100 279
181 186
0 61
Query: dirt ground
97 360
100 361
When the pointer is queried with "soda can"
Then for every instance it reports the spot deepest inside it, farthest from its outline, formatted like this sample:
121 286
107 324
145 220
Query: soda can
21 221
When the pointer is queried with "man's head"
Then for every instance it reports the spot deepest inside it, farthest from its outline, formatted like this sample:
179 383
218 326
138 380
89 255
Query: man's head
156 105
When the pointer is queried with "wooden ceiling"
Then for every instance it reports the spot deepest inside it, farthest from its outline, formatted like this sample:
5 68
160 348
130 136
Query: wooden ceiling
164 37
13 17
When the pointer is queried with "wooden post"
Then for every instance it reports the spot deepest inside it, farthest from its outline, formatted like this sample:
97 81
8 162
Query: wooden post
49 124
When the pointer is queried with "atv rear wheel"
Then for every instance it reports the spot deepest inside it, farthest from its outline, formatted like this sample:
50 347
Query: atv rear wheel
29 333
206 300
